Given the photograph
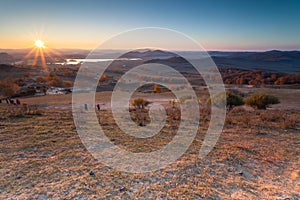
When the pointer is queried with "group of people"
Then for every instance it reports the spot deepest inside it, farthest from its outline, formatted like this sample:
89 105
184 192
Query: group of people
10 100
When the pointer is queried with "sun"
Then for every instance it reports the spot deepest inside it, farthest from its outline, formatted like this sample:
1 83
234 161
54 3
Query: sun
39 44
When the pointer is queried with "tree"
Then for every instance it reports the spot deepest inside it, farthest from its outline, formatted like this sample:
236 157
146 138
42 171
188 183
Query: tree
242 81
228 81
104 77
261 101
40 79
157 89
67 83
10 90
281 81
55 81
8 87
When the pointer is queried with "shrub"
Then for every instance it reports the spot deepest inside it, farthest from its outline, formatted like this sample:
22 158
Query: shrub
231 100
261 101
140 103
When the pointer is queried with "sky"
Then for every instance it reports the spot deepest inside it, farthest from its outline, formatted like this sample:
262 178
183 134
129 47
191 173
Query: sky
217 25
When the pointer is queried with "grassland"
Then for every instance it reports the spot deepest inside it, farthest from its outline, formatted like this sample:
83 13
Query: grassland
256 157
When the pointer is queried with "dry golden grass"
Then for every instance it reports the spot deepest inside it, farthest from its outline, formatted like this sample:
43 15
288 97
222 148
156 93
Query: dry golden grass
256 157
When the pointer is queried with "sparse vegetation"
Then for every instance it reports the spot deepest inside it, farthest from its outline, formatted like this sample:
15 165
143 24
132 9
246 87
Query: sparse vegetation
50 149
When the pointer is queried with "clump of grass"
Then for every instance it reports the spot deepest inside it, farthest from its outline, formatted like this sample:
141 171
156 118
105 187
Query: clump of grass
229 120
288 122
281 118
244 120
267 117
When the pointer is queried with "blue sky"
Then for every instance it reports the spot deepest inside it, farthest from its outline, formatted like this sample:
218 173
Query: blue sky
217 25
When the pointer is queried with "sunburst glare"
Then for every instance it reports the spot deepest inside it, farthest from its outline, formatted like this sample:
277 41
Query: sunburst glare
38 52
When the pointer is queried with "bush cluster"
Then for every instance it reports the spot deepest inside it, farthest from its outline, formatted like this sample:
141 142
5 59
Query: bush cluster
261 101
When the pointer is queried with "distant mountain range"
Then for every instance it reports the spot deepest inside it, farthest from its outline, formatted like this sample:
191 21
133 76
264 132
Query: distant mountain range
13 71
271 61
5 58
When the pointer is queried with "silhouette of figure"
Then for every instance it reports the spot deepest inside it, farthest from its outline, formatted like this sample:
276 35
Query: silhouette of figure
85 106
98 107
18 101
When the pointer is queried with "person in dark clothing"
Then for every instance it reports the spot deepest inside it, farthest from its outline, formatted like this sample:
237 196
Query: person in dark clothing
18 101
7 100
98 107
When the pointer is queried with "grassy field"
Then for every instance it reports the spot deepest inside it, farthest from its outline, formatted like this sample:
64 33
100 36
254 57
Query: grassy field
256 157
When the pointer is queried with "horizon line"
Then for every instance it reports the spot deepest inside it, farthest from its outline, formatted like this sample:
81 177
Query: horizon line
209 50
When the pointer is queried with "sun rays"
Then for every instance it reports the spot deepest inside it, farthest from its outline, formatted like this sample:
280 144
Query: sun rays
40 54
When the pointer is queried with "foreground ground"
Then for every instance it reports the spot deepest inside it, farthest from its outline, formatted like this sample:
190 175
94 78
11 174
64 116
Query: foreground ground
42 156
